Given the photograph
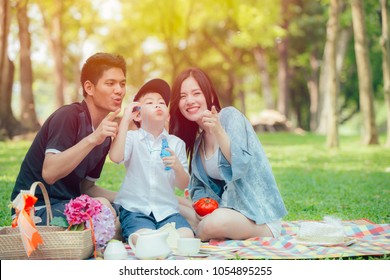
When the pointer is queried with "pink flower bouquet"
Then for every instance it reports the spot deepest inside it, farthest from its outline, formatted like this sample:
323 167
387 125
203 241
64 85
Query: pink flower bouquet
83 210
104 226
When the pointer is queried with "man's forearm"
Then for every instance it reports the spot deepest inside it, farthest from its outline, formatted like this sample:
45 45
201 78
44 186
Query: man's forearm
57 166
95 191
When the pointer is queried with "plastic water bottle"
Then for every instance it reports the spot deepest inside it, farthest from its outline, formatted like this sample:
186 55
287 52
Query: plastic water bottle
164 152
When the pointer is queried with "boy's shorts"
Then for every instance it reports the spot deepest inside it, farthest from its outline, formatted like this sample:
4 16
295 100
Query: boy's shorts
134 221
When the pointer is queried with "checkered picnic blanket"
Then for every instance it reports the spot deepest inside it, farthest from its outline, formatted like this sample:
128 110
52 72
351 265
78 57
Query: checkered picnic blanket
369 239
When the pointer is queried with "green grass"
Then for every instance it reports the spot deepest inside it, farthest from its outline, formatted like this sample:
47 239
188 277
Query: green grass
351 182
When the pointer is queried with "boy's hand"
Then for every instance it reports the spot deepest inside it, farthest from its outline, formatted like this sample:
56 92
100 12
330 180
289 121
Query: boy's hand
172 160
131 111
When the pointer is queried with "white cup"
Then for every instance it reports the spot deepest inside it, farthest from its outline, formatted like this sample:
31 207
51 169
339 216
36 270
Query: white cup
188 246
115 250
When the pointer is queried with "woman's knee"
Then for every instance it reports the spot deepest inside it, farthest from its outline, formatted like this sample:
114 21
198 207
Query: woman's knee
213 226
185 232
107 203
103 200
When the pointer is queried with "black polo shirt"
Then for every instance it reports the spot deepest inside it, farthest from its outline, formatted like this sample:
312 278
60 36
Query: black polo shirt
63 129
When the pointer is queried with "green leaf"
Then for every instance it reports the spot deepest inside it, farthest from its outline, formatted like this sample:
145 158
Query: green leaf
79 227
59 221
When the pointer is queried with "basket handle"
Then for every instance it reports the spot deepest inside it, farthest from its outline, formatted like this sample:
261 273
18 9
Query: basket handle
49 214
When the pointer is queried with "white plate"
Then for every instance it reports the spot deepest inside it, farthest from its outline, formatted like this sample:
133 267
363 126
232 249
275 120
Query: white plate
347 242
216 249
198 255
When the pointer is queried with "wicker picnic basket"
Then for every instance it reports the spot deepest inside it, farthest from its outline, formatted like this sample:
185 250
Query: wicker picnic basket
58 243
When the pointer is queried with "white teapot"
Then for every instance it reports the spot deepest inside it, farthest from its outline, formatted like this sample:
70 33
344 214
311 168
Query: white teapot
150 245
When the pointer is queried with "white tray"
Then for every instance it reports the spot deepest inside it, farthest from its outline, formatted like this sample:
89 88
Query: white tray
347 242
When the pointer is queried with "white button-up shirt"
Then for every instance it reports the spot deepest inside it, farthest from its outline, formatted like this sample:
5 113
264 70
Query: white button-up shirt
147 186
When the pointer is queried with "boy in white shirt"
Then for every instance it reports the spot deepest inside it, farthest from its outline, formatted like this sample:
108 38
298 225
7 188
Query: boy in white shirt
147 196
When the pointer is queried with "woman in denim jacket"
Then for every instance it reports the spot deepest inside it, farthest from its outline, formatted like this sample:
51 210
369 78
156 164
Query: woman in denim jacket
227 163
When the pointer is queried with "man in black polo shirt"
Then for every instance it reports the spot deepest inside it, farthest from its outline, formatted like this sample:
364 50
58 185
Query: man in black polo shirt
69 151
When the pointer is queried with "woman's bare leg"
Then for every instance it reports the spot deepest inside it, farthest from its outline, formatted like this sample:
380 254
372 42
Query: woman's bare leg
226 223
188 212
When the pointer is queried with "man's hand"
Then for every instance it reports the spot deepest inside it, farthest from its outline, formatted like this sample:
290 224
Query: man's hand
107 128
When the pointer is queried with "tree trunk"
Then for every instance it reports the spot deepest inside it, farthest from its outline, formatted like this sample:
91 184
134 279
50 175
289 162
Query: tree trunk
386 63
226 94
241 95
28 115
345 35
5 18
332 30
323 105
57 50
370 135
312 85
261 63
78 93
53 26
229 90
283 95
9 126
323 100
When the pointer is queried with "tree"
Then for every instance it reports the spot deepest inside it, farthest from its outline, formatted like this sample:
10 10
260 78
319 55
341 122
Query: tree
332 32
236 42
370 135
52 20
384 41
260 58
258 24
282 46
345 34
9 126
307 20
28 116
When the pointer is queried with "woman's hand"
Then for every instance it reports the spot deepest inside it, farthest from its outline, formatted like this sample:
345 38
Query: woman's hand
213 126
211 121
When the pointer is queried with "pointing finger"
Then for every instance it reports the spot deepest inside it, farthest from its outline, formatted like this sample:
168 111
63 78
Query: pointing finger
112 115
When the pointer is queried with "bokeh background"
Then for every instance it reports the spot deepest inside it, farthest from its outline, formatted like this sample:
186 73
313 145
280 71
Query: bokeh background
293 63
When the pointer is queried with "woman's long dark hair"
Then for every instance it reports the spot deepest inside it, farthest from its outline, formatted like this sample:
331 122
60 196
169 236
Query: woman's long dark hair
178 124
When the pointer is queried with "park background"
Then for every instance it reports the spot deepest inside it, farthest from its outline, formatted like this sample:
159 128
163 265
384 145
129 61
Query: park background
321 65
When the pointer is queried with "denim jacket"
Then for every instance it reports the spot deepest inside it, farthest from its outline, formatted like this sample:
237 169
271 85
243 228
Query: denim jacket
248 181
